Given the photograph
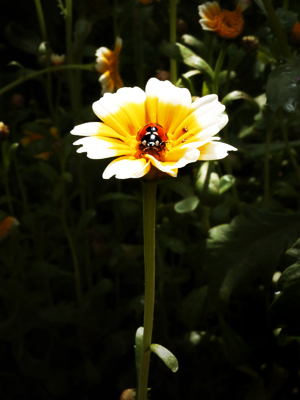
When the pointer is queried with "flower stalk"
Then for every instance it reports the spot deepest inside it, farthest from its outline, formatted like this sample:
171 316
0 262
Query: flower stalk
173 26
279 33
44 36
149 206
24 78
218 67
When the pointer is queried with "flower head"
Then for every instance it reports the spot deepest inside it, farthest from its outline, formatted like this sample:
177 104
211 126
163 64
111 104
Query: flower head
159 129
227 24
295 34
107 63
57 59
6 225
4 131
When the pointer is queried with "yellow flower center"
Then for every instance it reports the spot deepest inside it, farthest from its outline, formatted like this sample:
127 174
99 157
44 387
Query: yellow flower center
113 63
229 24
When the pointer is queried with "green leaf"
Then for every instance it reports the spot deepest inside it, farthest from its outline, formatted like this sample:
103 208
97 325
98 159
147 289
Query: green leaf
138 350
7 153
67 176
166 356
226 182
197 44
238 95
255 150
85 219
207 184
49 172
236 349
22 38
283 86
187 205
192 306
284 311
182 53
248 248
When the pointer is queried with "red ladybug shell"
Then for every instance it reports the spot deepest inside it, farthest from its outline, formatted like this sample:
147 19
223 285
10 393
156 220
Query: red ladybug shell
160 132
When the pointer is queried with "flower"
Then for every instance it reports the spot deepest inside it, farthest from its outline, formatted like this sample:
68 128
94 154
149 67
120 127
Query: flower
57 59
227 24
107 63
295 34
4 131
6 225
128 394
157 129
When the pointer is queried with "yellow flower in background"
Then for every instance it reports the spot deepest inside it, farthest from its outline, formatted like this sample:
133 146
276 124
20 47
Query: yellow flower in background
107 64
4 131
6 225
227 24
160 129
30 137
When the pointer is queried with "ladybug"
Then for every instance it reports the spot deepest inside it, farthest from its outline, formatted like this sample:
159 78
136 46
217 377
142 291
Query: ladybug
152 136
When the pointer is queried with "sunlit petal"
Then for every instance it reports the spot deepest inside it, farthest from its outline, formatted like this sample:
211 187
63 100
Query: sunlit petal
126 167
215 151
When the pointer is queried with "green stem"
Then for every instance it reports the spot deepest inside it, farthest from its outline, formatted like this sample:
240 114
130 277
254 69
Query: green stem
287 143
24 78
278 32
8 194
228 170
267 169
48 62
70 239
218 67
139 47
285 4
149 206
173 28
41 19
116 30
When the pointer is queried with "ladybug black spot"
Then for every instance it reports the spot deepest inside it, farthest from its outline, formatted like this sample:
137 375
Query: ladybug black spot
151 139
152 129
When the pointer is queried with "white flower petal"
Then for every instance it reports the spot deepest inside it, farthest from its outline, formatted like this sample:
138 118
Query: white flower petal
209 9
166 167
167 104
97 143
201 101
98 154
207 25
187 157
87 129
126 167
96 129
102 52
124 111
215 151
135 110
